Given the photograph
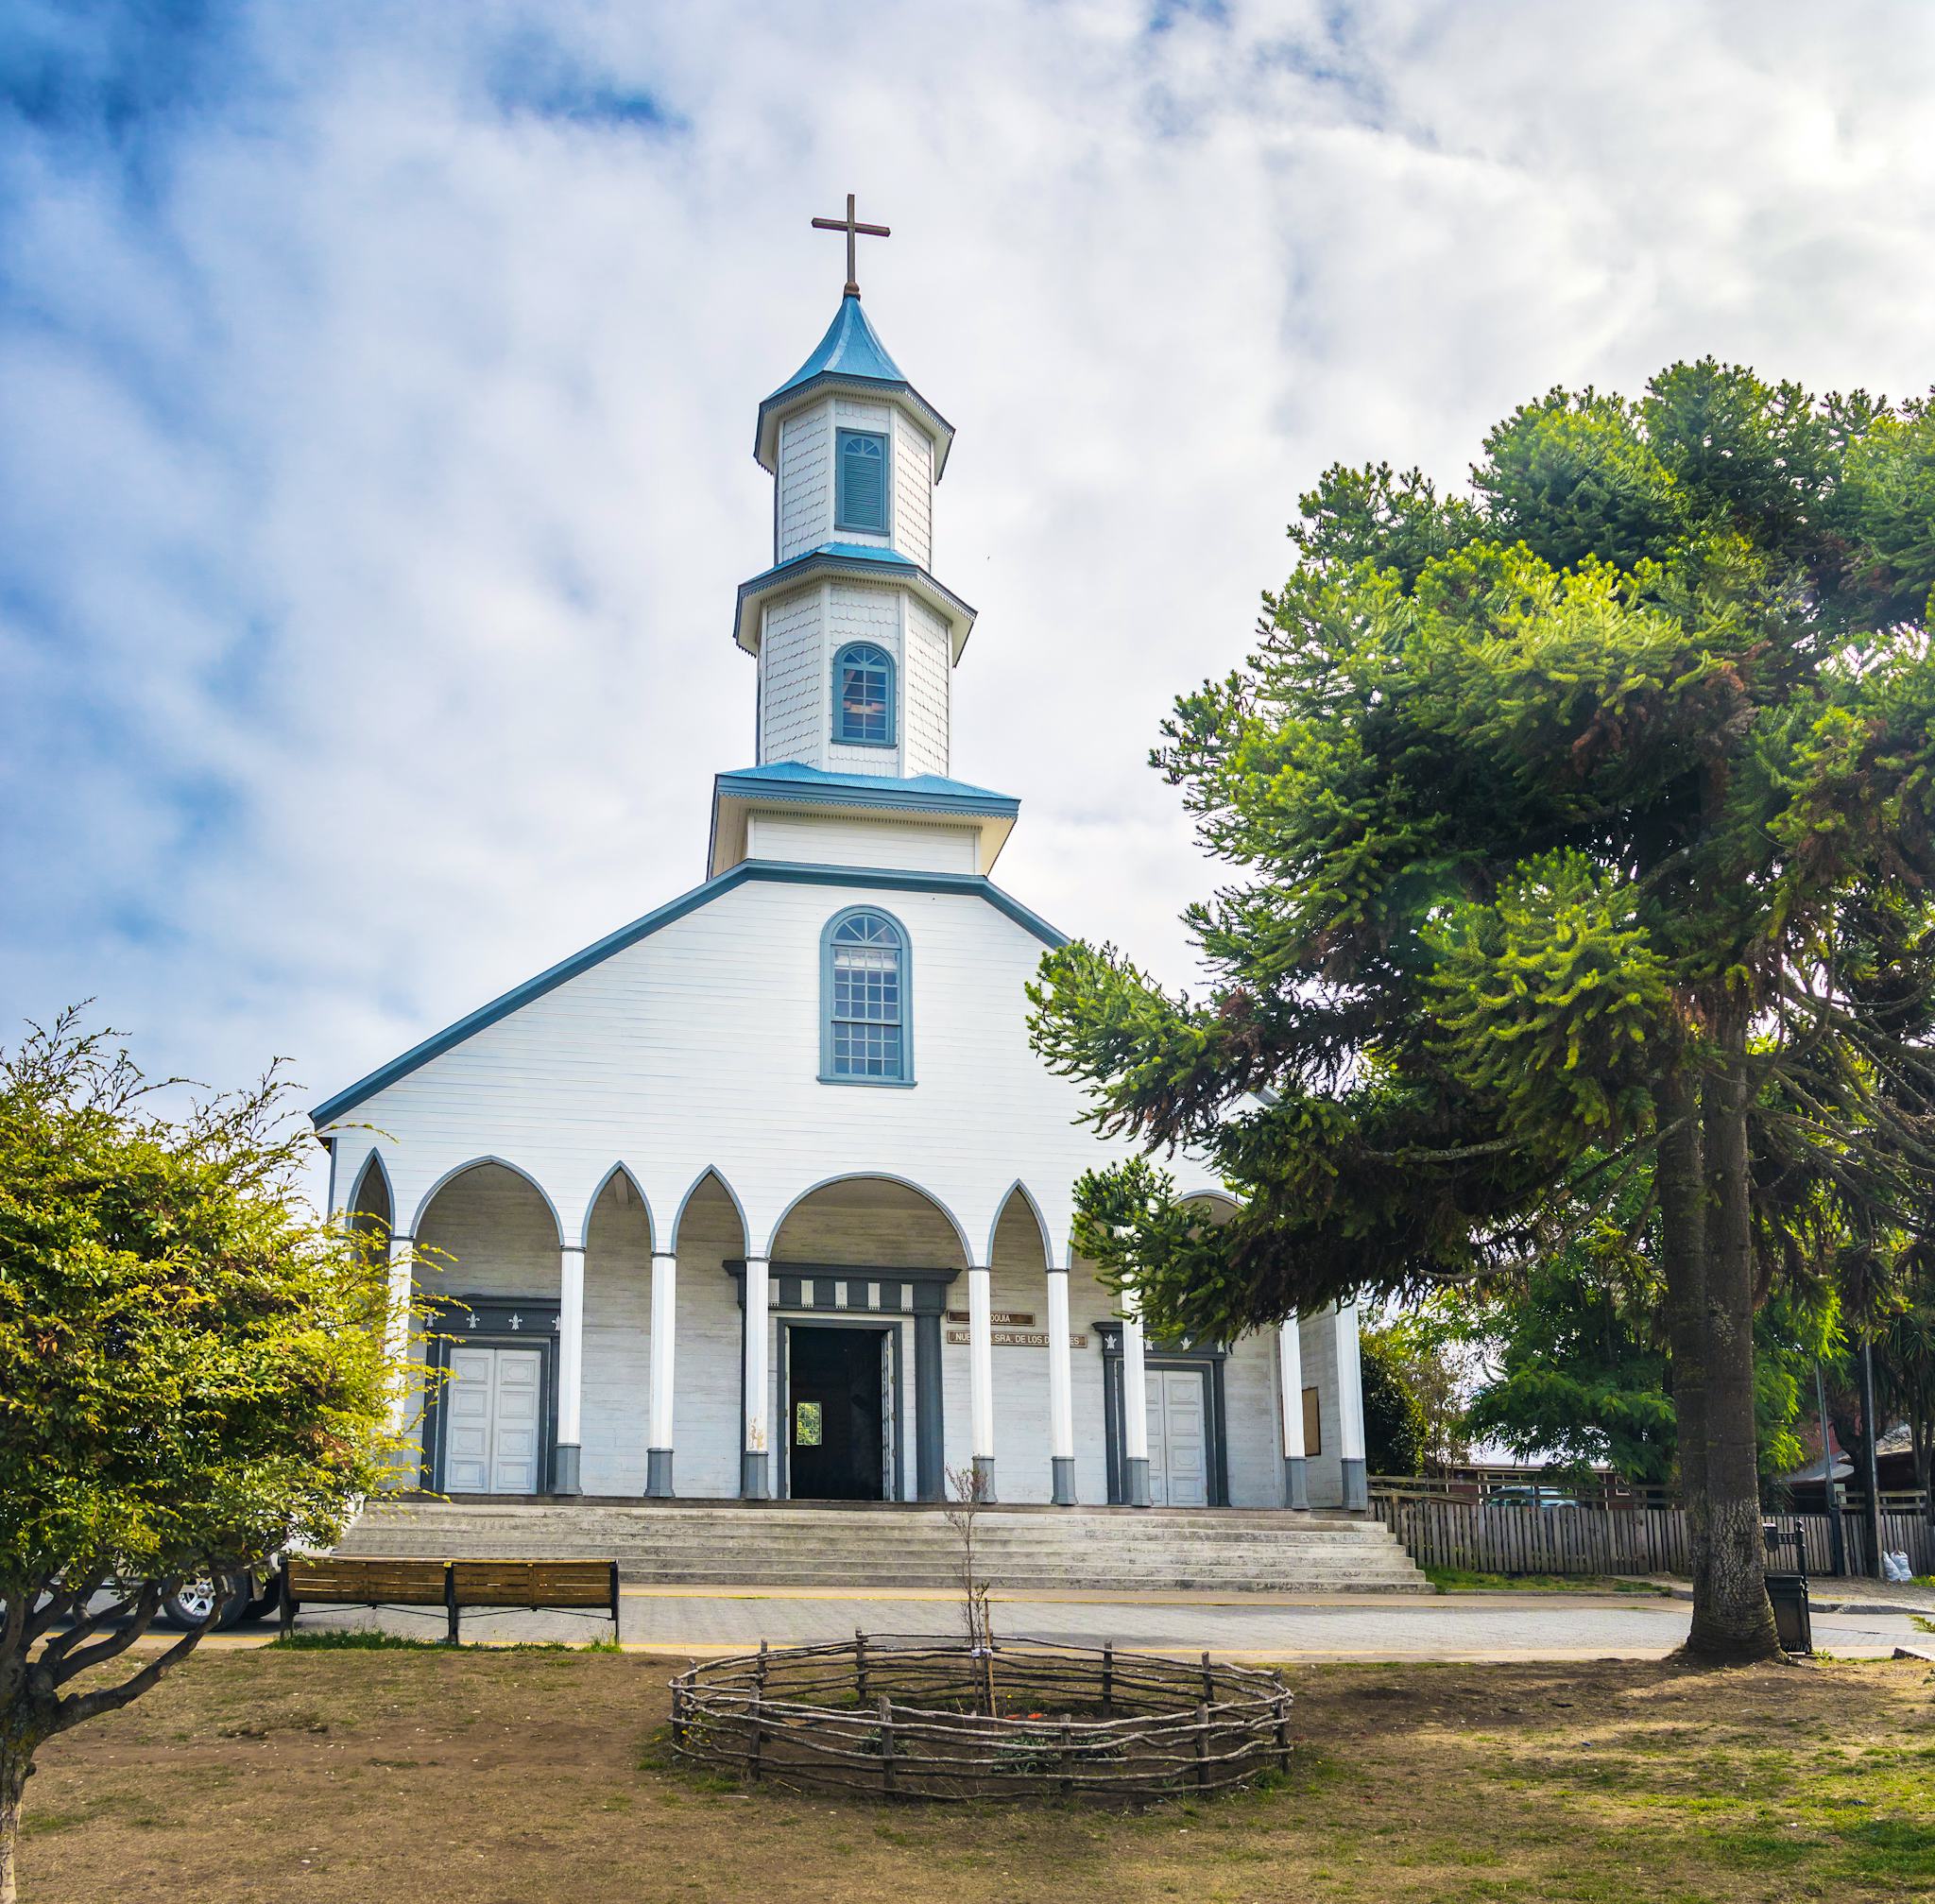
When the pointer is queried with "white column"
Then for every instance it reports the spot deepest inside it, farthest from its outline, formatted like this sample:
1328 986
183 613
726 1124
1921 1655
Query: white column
980 1377
1290 1379
1061 1393
664 1324
755 1461
571 1344
1350 1410
396 1336
1135 1405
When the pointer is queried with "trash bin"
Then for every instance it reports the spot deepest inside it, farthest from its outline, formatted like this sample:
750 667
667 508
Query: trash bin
1788 1592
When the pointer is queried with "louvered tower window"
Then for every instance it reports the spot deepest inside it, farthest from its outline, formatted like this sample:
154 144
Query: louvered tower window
864 1038
864 696
860 499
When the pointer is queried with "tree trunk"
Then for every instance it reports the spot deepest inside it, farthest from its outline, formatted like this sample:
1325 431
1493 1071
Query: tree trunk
1682 1182
1732 1619
16 1766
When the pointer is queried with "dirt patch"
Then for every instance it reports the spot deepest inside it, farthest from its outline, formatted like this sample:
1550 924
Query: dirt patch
480 1777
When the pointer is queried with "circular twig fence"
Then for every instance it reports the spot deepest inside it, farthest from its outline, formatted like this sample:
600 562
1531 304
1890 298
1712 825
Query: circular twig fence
936 1719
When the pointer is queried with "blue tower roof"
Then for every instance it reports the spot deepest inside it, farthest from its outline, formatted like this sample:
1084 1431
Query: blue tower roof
850 354
851 348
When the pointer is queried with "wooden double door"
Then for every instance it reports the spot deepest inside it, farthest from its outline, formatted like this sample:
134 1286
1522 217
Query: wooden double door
493 1420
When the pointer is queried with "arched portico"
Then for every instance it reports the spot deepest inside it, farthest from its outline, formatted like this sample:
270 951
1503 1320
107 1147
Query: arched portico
843 1394
505 1296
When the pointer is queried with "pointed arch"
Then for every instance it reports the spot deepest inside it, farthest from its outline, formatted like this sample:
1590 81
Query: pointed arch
477 1163
1227 1205
359 1184
637 1189
697 1184
906 1183
1000 1210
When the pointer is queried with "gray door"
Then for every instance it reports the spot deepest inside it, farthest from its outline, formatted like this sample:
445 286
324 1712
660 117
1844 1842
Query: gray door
493 1436
1178 1437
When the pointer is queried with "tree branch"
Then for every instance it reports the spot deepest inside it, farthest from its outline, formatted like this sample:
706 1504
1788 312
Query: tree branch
79 1706
146 1604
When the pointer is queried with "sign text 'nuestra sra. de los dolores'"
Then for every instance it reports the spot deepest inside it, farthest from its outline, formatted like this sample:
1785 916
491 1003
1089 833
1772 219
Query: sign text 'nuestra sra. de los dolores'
750 1150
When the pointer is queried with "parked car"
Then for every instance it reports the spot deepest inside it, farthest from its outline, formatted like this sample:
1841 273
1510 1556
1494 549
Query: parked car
1528 1494
244 1597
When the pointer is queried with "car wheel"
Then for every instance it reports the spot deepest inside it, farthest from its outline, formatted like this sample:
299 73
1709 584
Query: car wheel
186 1604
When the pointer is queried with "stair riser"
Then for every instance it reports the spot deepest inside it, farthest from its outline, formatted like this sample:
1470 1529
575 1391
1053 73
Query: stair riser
814 1548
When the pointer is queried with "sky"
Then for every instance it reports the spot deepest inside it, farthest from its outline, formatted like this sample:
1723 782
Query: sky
377 391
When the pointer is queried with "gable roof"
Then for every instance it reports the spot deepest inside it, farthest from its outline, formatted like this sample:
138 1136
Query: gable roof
971 885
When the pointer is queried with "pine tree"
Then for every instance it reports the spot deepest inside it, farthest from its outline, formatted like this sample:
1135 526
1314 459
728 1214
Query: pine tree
1584 817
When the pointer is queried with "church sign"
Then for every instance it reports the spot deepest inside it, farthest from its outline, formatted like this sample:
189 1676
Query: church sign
1016 1338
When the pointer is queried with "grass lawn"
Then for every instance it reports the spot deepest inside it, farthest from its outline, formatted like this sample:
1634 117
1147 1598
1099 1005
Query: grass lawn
476 1777
1463 1579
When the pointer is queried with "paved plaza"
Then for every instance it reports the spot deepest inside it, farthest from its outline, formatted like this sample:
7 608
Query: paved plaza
1524 1626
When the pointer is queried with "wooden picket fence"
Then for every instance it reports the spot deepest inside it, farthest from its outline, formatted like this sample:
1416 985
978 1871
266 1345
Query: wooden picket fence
1494 1538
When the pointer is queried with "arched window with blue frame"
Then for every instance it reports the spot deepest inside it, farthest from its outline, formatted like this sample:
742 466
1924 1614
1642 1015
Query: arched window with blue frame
866 1026
864 696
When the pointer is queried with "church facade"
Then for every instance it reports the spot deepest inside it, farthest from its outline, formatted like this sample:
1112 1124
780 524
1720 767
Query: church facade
766 1194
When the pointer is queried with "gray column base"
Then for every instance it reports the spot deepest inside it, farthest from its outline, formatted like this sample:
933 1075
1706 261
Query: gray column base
1063 1469
658 1473
1135 1480
564 1470
984 1476
1297 1492
752 1476
1357 1485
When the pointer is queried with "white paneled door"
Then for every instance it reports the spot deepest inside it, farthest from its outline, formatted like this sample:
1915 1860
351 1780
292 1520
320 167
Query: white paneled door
1178 1437
494 1434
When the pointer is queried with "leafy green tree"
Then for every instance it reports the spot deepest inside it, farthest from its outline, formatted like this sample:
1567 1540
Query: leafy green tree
1394 1430
1426 1357
193 1373
1587 813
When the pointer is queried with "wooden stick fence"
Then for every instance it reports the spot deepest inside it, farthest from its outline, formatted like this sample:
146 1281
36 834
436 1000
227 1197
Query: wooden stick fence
1487 1537
798 1718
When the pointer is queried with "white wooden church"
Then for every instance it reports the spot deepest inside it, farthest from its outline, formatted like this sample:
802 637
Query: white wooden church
766 1194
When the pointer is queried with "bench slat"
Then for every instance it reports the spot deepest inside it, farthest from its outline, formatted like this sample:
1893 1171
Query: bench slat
348 1581
543 1583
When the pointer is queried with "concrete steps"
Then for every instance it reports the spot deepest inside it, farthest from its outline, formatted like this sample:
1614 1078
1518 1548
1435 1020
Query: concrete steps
832 1546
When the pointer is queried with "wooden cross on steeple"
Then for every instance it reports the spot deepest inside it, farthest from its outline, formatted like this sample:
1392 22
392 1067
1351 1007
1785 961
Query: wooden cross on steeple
854 230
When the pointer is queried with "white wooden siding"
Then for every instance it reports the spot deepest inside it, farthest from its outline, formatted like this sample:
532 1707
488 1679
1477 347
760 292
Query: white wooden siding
858 612
913 517
805 482
925 690
811 840
793 671
698 1048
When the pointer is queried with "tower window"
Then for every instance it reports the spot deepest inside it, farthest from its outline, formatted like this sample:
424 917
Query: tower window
860 487
864 696
863 989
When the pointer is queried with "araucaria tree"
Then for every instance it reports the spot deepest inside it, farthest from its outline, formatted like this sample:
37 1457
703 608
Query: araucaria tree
1582 828
193 1374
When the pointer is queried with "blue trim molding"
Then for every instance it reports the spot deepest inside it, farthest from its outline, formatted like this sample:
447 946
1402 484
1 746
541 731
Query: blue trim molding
970 886
859 562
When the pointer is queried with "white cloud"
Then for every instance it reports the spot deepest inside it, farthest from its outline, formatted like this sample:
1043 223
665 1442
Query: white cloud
377 474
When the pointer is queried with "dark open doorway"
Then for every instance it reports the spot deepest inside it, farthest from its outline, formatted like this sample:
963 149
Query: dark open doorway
836 1443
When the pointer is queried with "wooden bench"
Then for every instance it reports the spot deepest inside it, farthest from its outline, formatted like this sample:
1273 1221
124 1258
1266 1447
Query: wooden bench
540 1585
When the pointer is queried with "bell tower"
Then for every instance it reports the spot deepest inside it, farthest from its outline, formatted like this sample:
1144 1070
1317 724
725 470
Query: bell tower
855 640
